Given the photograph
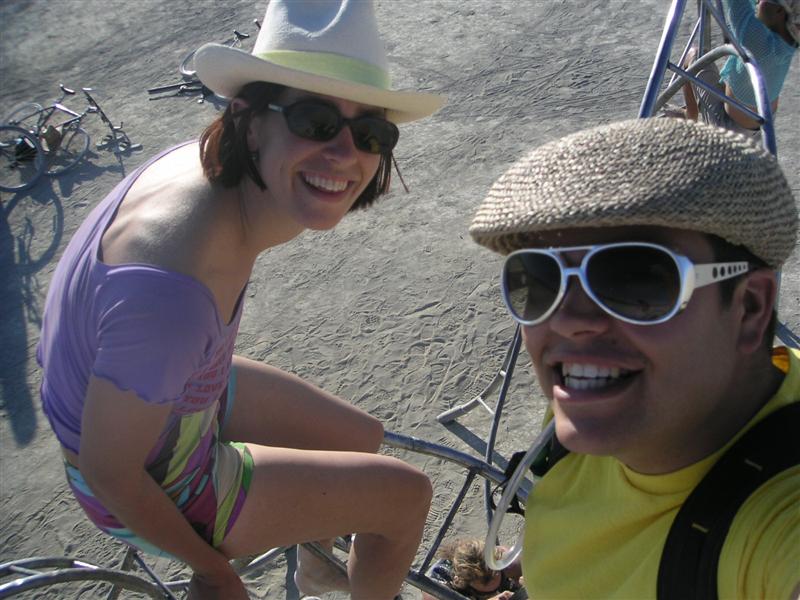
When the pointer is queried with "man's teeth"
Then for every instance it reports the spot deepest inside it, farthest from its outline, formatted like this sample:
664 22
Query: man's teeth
325 184
578 376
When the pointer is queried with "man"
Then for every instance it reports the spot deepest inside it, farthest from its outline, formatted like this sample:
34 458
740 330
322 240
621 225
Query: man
642 267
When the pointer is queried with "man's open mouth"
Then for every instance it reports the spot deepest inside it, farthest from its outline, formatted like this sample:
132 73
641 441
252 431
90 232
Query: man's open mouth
584 376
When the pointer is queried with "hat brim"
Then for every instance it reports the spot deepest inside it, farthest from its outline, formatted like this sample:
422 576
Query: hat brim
226 70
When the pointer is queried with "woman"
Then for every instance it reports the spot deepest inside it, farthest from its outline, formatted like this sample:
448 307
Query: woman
172 443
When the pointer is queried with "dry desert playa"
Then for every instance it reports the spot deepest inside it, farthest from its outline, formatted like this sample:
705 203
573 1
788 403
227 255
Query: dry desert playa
396 310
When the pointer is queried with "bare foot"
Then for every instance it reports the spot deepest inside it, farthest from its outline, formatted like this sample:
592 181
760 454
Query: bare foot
315 575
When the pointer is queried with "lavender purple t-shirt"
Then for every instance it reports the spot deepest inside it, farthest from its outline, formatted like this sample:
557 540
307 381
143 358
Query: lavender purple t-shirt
144 328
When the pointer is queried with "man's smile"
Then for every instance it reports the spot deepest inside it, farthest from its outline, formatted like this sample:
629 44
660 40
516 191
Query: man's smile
587 376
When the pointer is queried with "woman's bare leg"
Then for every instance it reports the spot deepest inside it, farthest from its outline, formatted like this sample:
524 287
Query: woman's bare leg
274 408
305 495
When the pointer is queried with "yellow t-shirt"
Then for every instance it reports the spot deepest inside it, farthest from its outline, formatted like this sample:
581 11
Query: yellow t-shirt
596 529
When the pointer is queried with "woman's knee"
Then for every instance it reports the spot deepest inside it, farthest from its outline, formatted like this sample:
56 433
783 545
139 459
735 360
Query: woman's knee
412 491
372 434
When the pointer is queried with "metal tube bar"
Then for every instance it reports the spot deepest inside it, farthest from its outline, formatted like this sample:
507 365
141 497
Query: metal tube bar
498 411
448 520
412 444
662 57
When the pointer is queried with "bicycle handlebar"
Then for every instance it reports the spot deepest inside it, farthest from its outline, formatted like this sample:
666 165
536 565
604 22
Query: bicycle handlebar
92 101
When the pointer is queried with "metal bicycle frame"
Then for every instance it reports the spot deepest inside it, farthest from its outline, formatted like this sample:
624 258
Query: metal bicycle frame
662 63
116 138
47 113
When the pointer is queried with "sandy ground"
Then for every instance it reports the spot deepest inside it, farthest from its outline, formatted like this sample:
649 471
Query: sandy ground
397 309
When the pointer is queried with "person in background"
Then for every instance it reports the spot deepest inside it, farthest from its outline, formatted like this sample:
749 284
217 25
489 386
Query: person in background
770 29
461 567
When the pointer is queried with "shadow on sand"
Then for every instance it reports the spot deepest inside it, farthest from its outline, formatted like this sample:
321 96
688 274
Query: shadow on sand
31 232
21 256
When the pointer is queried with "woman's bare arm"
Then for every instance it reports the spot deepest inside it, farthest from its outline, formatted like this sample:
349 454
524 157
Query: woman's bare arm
118 431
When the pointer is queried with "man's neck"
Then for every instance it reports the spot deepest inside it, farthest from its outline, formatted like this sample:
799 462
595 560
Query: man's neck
754 386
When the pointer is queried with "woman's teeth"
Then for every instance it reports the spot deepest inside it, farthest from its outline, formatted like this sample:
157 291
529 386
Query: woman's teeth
577 376
325 184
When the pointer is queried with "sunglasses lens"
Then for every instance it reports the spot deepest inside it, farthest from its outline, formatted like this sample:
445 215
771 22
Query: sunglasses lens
532 282
374 135
321 122
313 121
636 282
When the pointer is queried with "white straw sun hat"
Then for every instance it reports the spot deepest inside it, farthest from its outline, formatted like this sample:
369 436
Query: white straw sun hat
329 47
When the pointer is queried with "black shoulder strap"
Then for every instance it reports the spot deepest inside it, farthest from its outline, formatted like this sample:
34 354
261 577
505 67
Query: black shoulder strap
549 455
689 562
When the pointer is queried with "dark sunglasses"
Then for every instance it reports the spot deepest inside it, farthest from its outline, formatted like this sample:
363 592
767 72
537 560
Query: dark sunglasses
635 282
321 122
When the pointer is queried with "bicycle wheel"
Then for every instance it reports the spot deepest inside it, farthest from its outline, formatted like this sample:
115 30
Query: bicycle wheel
22 160
36 573
25 114
73 146
187 65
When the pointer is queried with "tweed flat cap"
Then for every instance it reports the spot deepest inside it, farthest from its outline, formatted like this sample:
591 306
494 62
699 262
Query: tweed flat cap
662 171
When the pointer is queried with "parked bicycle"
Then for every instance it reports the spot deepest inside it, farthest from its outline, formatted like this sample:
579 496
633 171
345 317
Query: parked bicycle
34 142
190 85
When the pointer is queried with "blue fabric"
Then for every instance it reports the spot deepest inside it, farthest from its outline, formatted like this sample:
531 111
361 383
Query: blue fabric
772 53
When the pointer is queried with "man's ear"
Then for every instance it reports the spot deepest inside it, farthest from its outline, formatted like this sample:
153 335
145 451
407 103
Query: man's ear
755 297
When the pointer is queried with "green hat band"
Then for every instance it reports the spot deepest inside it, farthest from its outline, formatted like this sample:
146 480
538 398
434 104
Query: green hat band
330 65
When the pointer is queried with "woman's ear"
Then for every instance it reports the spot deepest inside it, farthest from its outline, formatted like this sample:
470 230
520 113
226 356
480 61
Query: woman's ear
756 297
236 106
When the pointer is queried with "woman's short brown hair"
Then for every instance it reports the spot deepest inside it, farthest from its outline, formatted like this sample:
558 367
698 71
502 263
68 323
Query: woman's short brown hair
226 158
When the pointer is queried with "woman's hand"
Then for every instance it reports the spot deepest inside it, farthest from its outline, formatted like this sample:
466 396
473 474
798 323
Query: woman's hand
225 585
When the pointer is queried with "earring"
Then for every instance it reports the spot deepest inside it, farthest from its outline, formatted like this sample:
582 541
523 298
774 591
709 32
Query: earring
254 155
